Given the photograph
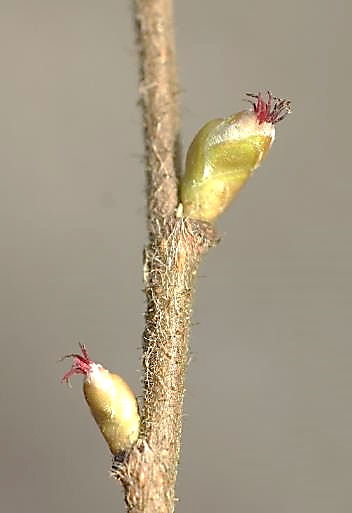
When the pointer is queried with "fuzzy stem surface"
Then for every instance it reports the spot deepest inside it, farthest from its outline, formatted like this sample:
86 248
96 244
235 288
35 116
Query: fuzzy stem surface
159 97
172 257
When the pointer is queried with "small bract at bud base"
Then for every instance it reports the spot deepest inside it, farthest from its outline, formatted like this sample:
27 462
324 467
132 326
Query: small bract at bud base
111 402
224 154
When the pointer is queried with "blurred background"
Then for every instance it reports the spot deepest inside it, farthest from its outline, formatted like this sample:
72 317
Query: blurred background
268 417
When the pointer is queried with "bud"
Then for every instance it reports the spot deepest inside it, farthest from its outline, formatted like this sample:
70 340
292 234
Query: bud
111 402
224 154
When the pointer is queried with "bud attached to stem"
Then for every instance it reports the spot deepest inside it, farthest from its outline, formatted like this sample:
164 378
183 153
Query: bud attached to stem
224 154
111 402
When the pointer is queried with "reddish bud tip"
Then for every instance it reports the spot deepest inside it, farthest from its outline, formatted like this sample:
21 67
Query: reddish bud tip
80 365
271 111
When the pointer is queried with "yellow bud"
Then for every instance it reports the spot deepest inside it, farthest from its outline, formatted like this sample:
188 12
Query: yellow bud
111 402
224 154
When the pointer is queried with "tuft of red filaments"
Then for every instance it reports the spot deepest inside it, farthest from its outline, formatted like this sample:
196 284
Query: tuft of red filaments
271 111
81 364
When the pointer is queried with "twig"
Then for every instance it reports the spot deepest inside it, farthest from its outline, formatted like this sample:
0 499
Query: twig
159 91
171 262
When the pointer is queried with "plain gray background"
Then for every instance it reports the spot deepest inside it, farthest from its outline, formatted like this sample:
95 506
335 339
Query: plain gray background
268 420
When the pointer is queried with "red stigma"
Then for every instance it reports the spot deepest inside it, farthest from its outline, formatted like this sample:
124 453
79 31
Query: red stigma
80 365
271 111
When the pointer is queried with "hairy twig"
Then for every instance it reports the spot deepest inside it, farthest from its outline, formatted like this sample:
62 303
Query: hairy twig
159 95
172 258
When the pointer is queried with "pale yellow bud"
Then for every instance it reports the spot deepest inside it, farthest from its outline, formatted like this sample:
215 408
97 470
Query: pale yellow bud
111 402
224 154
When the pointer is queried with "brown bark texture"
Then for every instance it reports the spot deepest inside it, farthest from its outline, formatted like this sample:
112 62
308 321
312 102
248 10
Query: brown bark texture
176 245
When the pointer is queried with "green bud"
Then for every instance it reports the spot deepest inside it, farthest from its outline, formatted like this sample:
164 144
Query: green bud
224 154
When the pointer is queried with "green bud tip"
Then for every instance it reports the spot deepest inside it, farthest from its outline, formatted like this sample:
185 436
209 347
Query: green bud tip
224 154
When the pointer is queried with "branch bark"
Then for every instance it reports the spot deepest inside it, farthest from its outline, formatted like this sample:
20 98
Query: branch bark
159 95
172 257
